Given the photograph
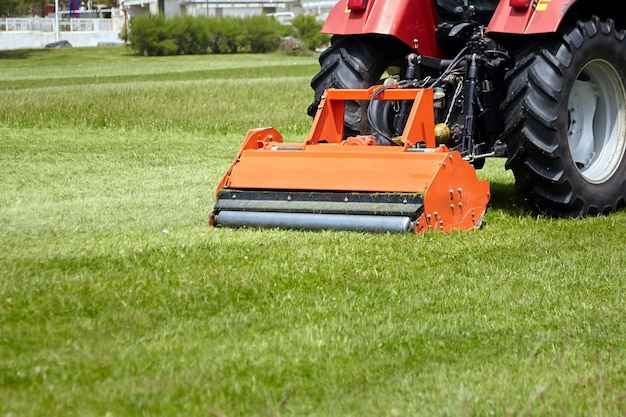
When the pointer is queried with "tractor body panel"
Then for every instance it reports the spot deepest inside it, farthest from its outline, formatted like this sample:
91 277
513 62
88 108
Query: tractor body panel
412 22
542 16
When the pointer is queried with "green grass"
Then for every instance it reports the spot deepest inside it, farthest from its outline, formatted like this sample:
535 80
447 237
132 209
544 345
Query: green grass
117 299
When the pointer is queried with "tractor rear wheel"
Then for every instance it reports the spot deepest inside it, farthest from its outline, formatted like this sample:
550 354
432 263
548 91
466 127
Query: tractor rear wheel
354 62
566 121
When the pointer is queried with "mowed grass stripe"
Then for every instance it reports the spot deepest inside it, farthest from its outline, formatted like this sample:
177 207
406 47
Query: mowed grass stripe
117 299
220 105
250 74
117 62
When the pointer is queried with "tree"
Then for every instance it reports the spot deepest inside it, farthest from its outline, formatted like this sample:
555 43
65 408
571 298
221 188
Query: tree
14 7
25 7
38 8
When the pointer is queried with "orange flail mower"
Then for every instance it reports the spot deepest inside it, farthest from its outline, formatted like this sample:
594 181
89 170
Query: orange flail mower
332 182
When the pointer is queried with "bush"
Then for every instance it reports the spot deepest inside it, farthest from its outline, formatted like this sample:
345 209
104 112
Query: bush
308 29
150 35
190 35
225 35
263 33
155 35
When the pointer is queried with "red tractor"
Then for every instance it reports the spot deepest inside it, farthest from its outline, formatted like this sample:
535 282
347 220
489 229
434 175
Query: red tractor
442 85
542 82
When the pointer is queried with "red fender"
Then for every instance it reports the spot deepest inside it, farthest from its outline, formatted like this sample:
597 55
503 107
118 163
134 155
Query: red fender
411 21
541 16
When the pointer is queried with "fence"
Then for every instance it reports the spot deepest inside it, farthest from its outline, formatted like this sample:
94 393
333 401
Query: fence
38 24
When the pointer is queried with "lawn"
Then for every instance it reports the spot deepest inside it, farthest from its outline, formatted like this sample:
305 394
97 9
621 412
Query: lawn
117 299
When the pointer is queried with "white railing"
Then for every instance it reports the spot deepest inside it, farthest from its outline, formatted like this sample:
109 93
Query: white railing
38 24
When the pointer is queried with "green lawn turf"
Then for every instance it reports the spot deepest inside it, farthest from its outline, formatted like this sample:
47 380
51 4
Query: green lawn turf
117 299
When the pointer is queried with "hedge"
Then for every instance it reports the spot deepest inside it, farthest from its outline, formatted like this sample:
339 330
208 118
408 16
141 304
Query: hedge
154 35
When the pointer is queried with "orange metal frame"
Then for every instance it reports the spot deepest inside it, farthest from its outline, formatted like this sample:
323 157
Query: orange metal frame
453 196
328 122
330 155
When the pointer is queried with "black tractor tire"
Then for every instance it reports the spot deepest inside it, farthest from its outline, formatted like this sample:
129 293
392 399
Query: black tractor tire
354 62
565 120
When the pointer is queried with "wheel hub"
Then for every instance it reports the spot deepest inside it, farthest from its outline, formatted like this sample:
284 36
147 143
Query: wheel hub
597 121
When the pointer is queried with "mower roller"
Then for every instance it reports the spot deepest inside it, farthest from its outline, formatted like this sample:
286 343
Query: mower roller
335 182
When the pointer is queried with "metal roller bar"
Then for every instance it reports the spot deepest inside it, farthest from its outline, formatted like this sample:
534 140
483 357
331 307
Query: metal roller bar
306 221
319 207
409 205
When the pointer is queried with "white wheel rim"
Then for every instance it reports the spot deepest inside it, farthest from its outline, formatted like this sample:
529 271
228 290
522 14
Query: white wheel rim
597 121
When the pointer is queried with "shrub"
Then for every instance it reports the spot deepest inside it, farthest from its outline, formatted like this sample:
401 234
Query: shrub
225 35
308 29
187 35
190 35
150 35
263 33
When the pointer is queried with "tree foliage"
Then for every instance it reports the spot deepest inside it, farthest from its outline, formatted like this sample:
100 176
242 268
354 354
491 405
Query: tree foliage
38 7
22 7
